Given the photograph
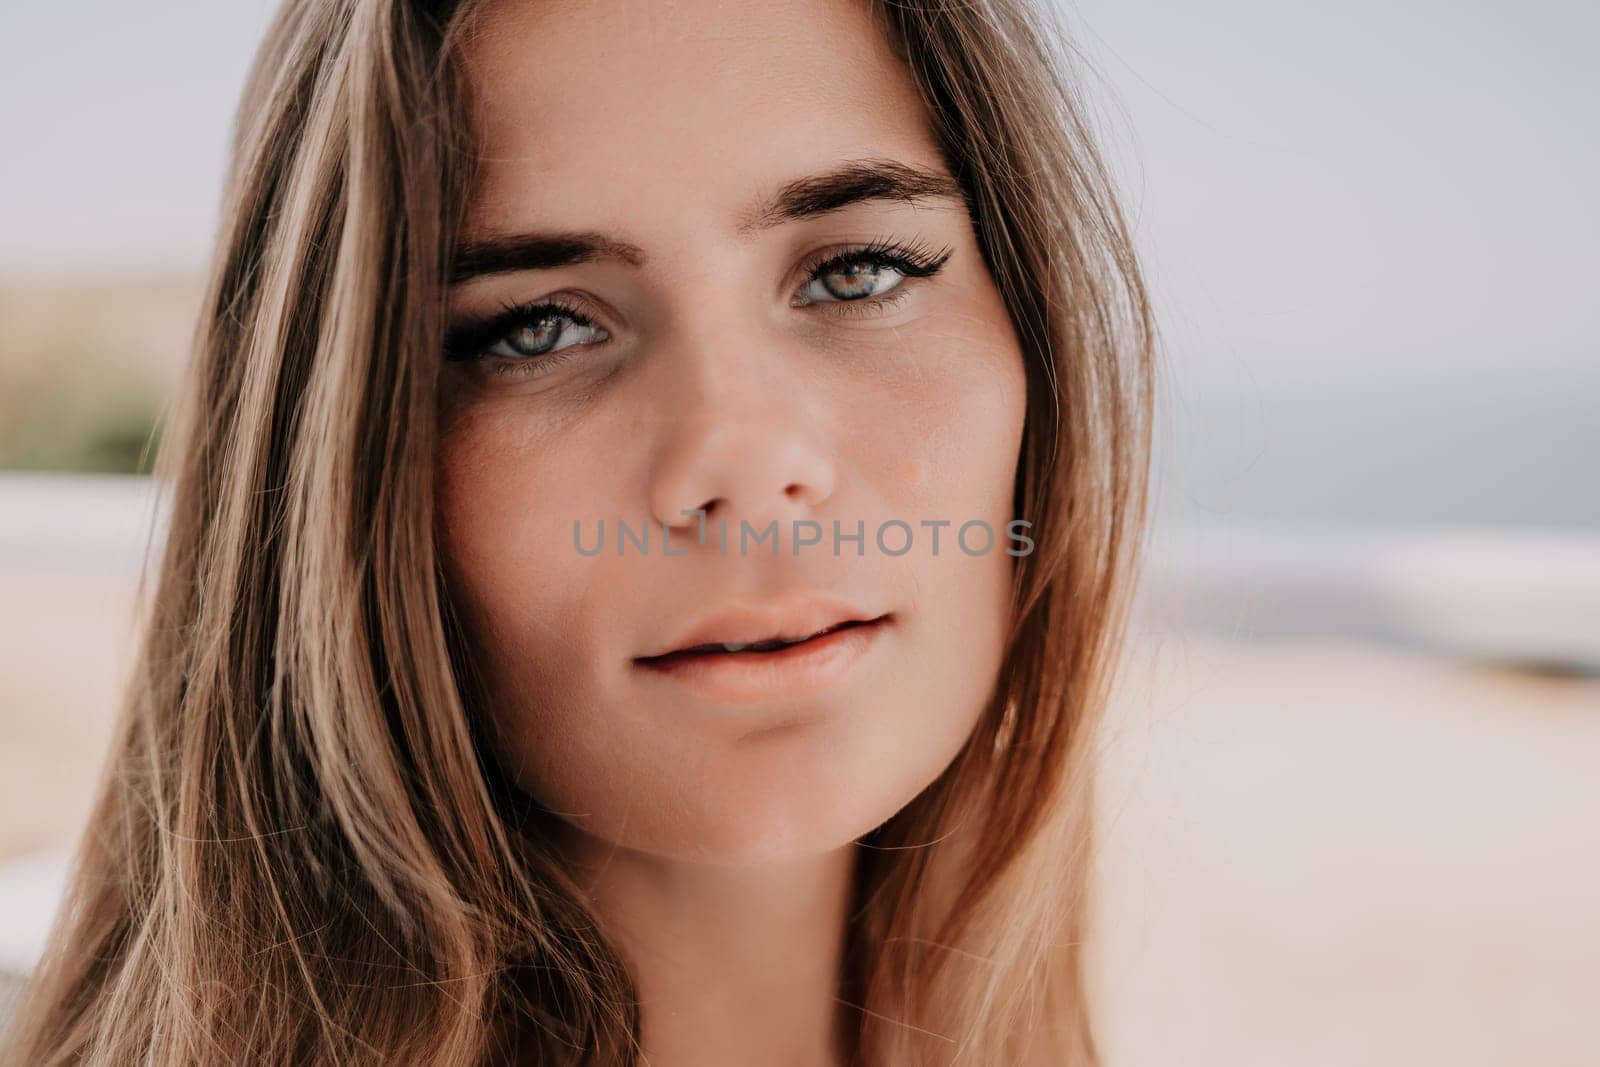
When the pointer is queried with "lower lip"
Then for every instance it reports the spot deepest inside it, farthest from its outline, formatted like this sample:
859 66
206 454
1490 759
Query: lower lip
798 670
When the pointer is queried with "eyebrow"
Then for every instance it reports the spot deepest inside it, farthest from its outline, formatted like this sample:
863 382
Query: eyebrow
854 182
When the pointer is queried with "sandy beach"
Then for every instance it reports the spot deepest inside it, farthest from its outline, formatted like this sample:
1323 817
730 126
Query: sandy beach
1323 853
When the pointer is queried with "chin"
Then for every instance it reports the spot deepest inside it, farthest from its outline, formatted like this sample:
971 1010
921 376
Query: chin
786 792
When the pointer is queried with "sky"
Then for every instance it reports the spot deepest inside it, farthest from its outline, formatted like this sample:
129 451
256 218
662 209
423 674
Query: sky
1370 230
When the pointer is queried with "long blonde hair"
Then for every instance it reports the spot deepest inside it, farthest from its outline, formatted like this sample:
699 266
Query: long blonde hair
300 852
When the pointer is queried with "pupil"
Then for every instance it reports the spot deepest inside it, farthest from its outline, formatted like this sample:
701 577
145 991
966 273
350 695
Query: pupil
858 280
532 340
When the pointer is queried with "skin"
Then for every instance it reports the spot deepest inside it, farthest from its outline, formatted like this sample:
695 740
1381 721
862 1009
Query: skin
717 840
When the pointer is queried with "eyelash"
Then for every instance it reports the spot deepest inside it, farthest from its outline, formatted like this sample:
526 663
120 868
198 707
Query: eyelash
470 341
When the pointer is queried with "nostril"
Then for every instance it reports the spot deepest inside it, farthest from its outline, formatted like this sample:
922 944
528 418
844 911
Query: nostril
692 517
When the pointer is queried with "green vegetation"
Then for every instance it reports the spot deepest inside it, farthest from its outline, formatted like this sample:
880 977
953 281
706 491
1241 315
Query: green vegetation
87 371
109 432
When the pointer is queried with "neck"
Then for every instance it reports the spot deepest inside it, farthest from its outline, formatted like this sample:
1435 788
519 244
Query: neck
733 964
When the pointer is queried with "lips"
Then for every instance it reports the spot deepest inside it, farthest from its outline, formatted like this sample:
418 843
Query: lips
774 644
773 672
763 629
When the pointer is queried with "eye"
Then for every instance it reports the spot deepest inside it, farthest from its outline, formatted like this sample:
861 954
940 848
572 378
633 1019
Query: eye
855 280
524 332
544 330
866 273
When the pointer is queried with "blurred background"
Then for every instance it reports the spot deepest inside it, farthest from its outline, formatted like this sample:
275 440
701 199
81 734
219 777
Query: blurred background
1351 807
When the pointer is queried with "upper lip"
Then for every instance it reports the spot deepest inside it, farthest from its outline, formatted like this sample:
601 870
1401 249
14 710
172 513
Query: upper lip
789 620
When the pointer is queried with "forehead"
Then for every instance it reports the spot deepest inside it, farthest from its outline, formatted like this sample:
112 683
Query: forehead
624 110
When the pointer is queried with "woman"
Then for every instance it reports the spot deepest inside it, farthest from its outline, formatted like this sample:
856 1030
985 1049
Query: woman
446 745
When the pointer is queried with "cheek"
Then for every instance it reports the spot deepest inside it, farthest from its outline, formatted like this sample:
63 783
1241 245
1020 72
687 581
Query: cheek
949 423
526 611
510 479
499 539
964 419
481 486
946 424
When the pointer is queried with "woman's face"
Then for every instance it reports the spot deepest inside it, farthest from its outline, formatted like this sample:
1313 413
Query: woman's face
668 174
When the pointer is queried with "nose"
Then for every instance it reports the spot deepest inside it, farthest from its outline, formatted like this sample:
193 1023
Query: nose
740 437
